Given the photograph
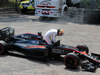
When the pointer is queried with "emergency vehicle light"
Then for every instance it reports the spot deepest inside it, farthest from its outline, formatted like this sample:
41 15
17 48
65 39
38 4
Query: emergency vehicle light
46 6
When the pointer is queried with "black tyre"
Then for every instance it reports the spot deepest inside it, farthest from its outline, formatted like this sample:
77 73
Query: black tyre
3 47
83 48
71 61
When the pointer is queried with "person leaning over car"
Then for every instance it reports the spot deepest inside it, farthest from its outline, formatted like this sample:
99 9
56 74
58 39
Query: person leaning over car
50 35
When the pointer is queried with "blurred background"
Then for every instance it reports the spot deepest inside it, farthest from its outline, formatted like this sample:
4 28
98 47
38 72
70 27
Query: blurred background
93 4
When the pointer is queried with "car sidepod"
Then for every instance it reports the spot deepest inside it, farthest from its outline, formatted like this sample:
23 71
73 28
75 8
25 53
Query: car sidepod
30 49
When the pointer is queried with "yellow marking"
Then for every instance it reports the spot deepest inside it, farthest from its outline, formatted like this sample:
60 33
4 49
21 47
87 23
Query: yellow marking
38 22
2 26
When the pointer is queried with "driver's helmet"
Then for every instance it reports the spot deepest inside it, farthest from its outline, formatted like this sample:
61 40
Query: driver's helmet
60 32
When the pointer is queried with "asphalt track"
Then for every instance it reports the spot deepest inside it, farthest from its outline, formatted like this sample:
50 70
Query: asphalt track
74 34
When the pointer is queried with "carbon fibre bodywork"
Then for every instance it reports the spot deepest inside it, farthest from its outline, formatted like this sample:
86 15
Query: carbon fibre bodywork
29 44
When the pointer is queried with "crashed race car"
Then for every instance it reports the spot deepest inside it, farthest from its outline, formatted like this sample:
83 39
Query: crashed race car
33 45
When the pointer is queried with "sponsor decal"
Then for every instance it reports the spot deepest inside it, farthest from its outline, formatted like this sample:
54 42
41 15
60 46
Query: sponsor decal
35 46
57 51
35 42
26 36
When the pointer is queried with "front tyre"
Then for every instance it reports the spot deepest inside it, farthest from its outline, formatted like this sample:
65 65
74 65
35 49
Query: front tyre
71 61
3 46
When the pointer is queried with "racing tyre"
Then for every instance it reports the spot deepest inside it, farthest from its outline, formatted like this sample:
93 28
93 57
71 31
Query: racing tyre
3 47
83 48
71 61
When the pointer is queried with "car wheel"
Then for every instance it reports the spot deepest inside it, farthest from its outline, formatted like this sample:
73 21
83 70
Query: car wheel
3 47
83 48
71 61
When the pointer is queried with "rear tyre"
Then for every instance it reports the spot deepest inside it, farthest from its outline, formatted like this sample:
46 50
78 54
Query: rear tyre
71 61
3 48
83 48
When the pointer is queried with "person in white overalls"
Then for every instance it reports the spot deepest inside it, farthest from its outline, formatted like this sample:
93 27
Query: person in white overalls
50 35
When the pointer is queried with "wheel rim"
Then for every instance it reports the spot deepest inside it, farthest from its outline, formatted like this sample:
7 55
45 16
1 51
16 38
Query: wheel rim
70 62
1 49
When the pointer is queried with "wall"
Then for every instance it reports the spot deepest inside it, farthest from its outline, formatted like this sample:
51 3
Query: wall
75 14
81 15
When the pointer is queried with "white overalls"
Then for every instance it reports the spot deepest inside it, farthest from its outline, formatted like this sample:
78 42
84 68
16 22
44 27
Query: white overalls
50 36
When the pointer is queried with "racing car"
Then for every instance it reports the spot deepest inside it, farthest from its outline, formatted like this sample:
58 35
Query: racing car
33 45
